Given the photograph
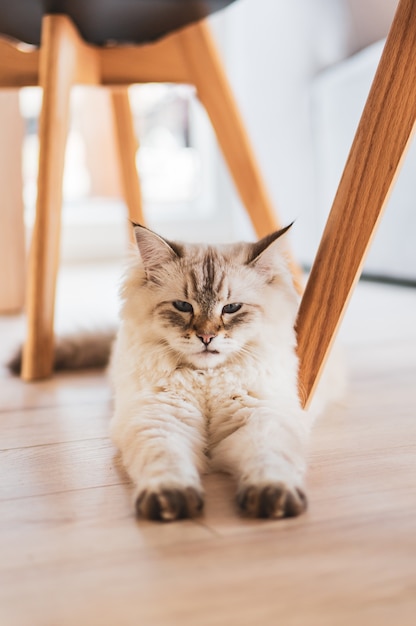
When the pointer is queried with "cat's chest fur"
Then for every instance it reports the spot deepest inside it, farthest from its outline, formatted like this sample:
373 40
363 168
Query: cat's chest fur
213 390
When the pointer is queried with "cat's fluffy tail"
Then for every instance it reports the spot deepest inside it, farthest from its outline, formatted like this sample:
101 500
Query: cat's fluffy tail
86 349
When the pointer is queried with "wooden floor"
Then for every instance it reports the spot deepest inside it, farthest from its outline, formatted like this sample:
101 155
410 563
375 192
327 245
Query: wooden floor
72 553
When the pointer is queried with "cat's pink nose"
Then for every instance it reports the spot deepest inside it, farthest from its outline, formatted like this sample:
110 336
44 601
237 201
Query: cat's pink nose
206 339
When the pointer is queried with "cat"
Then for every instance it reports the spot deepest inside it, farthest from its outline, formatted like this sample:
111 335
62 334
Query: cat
204 371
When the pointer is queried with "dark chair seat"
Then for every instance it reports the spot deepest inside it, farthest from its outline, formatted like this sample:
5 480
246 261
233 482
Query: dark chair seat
105 21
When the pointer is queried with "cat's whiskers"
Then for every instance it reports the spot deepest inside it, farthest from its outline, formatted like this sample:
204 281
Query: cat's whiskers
161 348
250 351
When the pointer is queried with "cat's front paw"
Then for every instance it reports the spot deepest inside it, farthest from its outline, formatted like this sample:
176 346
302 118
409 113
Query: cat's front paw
272 501
167 505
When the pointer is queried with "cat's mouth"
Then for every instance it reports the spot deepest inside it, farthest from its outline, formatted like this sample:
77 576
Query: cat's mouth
206 351
205 359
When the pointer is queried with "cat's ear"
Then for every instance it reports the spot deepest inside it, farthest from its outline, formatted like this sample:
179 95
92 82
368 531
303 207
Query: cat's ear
264 253
154 250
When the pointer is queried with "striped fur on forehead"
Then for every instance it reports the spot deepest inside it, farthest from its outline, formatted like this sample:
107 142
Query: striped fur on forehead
206 277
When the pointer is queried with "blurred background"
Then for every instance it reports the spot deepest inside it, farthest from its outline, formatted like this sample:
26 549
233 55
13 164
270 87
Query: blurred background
300 71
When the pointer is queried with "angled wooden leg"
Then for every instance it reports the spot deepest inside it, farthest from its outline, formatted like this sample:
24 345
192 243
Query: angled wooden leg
61 64
57 75
378 148
127 149
207 74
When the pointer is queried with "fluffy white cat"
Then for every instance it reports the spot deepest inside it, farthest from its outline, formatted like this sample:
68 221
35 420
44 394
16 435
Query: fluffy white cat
205 377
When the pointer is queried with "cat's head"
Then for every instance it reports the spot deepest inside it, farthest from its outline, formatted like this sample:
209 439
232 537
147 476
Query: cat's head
210 304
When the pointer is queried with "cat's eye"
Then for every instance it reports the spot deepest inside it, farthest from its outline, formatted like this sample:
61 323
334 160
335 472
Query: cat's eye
229 309
183 307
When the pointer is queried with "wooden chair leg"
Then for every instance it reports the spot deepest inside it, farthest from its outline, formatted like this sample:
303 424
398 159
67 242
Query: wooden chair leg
207 74
378 148
60 59
12 229
127 149
93 119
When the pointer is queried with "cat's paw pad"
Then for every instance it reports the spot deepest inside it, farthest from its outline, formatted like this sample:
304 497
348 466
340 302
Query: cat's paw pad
168 505
272 501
